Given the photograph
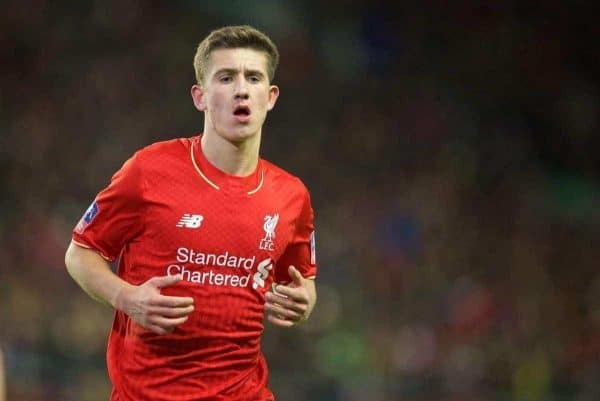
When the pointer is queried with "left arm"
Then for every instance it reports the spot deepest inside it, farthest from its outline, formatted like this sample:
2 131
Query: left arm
293 303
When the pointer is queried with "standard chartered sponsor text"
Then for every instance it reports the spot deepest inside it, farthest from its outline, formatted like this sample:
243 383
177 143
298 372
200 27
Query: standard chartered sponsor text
211 277
208 277
185 255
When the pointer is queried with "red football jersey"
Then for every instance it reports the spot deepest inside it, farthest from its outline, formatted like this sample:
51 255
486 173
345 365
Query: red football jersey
169 211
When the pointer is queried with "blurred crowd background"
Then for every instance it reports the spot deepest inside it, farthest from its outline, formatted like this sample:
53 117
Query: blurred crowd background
451 149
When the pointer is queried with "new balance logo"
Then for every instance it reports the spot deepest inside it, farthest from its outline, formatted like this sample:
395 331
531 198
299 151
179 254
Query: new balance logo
190 221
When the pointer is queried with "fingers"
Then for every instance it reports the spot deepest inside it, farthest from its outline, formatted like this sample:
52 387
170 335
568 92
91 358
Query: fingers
172 302
168 313
164 300
154 311
172 312
295 275
164 325
157 329
290 303
166 322
297 294
285 313
165 281
277 321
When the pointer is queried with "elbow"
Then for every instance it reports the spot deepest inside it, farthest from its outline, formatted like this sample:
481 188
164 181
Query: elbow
71 258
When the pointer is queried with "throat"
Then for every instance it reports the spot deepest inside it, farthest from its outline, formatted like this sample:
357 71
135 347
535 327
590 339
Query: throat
234 158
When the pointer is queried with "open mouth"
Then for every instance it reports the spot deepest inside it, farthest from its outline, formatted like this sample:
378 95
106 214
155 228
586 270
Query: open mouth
242 111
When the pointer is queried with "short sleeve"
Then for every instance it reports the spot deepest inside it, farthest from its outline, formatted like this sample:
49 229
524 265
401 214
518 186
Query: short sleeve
301 251
115 217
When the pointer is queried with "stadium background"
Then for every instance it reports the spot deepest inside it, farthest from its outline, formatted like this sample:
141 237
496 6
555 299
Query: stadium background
451 151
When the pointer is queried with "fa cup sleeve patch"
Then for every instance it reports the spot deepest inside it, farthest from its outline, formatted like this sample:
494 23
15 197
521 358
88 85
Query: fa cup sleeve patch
87 218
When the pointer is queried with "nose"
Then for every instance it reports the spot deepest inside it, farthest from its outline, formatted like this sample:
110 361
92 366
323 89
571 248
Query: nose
241 89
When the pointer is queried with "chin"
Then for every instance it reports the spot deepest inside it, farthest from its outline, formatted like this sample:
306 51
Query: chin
238 135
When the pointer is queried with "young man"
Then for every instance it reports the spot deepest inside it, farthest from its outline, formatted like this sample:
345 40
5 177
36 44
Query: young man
202 228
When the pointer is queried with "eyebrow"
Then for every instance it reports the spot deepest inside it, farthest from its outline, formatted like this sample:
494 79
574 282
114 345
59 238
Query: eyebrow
235 71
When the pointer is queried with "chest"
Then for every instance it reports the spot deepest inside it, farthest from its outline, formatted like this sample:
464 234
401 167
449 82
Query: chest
233 227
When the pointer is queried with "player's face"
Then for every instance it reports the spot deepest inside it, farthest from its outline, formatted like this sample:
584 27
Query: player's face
236 94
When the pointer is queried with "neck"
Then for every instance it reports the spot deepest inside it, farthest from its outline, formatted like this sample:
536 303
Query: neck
234 158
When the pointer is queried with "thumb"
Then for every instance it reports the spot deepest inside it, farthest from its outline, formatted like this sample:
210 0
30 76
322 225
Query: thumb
295 275
165 281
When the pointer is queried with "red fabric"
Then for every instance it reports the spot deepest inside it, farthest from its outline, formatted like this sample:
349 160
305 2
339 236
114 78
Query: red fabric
215 354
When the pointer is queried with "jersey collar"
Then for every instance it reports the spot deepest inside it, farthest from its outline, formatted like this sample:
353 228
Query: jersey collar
219 179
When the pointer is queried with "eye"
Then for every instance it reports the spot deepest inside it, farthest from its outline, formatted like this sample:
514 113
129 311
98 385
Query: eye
254 79
225 79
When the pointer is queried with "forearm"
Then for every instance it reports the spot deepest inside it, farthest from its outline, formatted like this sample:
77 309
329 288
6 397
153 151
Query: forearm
94 276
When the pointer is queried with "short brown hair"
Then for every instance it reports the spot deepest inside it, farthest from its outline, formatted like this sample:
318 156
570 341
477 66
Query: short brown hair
233 37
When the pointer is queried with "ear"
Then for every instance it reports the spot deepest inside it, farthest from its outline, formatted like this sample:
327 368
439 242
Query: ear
273 95
197 93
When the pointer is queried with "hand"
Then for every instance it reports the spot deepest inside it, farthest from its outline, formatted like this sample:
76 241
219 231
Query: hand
290 304
153 311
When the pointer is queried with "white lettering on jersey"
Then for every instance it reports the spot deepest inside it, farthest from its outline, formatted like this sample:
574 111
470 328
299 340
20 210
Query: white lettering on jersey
225 259
190 221
215 277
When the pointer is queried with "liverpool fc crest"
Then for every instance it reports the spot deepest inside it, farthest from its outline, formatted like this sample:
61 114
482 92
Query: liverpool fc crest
267 243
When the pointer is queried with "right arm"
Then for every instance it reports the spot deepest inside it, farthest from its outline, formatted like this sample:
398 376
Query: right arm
143 303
